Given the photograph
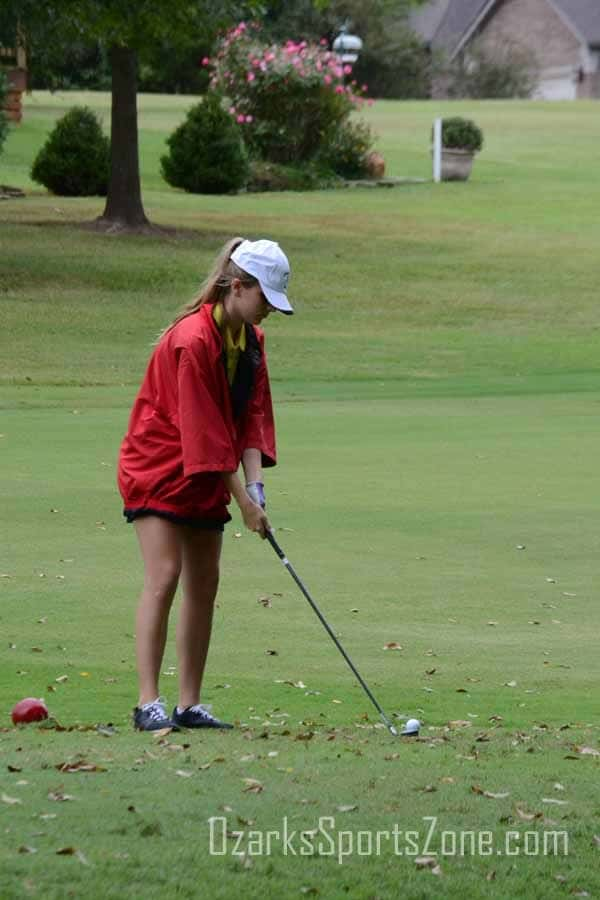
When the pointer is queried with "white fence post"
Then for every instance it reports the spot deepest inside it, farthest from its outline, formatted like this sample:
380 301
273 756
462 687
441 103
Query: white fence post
437 150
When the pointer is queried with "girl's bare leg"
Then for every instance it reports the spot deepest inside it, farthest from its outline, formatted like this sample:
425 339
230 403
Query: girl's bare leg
201 552
161 547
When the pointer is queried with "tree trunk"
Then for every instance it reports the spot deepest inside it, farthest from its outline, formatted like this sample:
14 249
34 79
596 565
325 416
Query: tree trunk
124 201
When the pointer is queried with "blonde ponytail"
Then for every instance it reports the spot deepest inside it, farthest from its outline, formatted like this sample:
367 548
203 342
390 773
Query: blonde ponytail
215 287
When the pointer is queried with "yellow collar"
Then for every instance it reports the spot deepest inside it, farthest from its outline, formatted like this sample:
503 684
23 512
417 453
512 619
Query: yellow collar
231 343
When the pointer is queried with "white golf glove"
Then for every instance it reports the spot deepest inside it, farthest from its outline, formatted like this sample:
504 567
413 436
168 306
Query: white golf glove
256 492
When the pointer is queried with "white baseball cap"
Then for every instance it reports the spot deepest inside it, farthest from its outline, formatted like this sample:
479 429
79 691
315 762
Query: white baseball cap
269 265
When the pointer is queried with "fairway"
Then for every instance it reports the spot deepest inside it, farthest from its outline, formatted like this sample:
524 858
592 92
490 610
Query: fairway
437 398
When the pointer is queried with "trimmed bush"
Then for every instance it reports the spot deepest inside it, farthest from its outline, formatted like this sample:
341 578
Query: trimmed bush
3 119
461 134
75 160
206 152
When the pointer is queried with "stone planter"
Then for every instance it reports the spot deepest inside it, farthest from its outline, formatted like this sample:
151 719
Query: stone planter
456 164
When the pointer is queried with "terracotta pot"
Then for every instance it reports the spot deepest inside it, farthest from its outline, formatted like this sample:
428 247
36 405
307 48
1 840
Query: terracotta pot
375 165
456 164
12 106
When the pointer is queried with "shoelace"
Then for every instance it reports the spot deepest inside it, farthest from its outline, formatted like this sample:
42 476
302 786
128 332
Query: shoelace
156 711
201 710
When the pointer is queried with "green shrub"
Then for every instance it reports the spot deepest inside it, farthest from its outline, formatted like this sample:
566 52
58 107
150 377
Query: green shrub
3 119
485 72
268 176
75 160
206 152
347 149
461 134
292 98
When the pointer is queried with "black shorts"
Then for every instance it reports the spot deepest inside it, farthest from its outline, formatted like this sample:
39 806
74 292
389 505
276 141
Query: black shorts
204 524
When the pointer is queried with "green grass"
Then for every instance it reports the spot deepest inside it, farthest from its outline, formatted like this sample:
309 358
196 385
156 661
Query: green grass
437 408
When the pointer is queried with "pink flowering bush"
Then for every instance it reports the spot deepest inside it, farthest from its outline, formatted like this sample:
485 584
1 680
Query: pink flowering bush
294 101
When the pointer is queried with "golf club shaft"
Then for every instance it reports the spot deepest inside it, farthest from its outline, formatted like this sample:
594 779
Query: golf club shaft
271 539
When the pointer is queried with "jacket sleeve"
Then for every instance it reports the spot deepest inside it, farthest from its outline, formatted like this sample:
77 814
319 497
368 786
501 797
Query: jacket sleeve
206 442
260 423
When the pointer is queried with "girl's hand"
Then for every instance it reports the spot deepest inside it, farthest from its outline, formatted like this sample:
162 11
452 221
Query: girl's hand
255 518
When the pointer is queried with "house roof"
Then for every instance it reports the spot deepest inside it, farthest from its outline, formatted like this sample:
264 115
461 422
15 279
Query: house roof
447 23
583 15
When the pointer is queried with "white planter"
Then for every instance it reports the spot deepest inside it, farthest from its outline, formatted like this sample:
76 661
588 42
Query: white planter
456 164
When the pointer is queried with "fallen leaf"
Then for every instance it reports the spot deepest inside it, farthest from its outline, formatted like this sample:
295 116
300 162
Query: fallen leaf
312 891
265 601
460 723
425 862
558 786
61 679
11 801
347 807
79 766
183 774
392 645
14 768
253 786
66 851
588 751
525 816
491 796
271 652
59 796
510 684
24 848
555 801
597 840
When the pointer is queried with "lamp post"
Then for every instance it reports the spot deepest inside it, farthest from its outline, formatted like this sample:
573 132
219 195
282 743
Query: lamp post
347 46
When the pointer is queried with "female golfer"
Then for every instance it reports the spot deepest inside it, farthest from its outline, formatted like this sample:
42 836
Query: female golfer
204 406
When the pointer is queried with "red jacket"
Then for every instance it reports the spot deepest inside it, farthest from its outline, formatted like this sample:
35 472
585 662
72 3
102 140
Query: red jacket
182 433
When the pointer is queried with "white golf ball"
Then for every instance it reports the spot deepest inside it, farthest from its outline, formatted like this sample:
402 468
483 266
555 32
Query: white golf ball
412 725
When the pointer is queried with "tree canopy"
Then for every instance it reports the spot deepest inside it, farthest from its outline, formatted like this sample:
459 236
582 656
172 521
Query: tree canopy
128 32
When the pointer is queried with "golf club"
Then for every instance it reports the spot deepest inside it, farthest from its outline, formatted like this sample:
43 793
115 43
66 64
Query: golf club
412 726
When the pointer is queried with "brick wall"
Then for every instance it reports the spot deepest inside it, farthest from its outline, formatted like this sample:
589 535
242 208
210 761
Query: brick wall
537 26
